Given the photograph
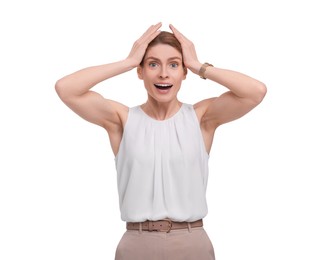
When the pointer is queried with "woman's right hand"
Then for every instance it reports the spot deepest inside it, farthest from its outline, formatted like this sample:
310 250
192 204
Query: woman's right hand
139 48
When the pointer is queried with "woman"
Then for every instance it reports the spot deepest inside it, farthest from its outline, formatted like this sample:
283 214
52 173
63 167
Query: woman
161 147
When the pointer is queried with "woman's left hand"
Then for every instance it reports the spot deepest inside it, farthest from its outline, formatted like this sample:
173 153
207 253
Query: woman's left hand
189 53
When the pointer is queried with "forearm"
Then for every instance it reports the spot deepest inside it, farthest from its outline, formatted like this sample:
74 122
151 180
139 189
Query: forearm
240 84
83 80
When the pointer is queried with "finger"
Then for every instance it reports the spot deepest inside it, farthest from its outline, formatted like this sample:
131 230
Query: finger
154 27
177 33
151 30
174 30
155 30
150 34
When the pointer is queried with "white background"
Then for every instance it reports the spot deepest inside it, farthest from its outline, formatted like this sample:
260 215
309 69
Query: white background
58 196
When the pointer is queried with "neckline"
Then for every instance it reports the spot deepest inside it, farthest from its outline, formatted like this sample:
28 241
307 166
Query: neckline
165 120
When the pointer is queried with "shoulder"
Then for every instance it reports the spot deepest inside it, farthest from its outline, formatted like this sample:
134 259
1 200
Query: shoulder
126 113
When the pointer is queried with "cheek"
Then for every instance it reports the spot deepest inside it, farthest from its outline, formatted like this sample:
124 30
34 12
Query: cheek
179 76
148 83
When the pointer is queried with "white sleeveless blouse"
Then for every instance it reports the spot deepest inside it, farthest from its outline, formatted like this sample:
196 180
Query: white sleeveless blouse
162 167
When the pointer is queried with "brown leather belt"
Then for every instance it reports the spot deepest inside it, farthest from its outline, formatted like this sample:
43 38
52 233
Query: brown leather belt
164 225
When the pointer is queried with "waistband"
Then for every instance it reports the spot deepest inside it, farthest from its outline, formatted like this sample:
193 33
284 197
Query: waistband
164 225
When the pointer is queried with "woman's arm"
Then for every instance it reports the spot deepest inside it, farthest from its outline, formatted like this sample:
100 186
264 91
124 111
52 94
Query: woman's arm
244 92
74 89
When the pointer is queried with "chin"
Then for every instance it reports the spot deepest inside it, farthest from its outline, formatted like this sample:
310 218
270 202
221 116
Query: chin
163 98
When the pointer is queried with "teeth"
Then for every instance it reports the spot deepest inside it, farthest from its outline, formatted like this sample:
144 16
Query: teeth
163 85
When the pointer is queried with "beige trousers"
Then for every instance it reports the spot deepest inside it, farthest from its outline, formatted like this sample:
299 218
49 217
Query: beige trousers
184 244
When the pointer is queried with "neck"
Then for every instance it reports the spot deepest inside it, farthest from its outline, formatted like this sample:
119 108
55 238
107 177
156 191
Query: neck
160 110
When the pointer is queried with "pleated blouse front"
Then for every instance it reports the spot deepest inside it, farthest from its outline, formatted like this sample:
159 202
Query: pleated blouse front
162 167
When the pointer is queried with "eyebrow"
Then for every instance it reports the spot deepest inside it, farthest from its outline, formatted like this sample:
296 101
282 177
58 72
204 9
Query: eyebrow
171 58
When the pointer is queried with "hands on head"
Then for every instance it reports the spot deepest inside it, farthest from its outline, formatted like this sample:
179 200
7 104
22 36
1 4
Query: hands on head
189 53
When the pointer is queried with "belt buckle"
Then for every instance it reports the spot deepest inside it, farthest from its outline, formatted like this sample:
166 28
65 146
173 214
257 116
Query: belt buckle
170 224
152 226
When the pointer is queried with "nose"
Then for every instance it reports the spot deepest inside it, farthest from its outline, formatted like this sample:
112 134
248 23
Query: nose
163 74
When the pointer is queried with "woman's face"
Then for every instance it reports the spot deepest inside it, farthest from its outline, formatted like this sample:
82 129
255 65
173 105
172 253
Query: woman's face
162 72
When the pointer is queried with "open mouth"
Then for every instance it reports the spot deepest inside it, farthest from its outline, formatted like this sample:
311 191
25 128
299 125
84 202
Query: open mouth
163 86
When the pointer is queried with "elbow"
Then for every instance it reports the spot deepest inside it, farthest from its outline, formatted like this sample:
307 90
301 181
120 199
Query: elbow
260 93
60 89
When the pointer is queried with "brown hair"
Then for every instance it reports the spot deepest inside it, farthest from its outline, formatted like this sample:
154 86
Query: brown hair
165 38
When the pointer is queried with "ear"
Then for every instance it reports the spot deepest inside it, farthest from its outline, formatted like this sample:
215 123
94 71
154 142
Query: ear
185 73
140 72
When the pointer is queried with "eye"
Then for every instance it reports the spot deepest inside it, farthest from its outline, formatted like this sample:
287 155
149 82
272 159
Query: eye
152 64
174 65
